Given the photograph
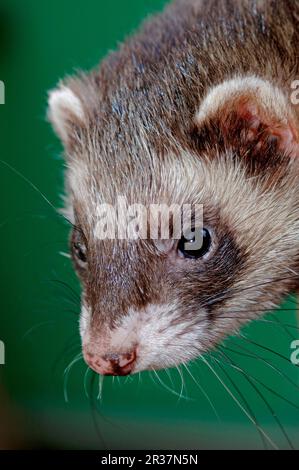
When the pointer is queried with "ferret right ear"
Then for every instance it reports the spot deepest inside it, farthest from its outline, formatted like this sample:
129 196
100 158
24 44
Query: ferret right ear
249 112
66 114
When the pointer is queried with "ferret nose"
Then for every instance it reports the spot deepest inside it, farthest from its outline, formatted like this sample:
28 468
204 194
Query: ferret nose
111 363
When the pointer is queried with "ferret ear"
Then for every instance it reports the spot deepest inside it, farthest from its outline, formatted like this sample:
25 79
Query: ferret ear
248 111
65 112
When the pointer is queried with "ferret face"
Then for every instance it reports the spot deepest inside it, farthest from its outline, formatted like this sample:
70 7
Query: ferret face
154 298
151 303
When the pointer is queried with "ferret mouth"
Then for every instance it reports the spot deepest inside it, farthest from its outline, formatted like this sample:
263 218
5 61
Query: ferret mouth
121 371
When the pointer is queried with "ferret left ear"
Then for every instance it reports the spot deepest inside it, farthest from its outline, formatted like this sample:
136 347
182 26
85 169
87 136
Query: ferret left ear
65 112
250 111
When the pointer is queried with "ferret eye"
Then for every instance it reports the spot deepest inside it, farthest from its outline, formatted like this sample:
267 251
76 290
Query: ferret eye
196 245
80 252
79 248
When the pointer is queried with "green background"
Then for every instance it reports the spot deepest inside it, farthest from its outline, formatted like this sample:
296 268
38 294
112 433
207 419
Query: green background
47 404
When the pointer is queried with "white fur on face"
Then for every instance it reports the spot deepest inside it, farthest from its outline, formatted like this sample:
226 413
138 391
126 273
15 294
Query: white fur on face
84 321
159 342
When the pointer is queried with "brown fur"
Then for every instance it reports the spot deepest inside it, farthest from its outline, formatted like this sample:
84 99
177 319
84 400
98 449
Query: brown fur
139 138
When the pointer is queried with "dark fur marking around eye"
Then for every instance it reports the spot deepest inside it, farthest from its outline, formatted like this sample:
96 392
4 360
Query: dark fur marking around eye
207 284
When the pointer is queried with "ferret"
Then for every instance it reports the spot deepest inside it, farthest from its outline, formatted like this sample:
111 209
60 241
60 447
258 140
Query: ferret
195 108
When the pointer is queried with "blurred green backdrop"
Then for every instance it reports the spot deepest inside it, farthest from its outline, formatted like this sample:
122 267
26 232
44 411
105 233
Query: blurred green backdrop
44 401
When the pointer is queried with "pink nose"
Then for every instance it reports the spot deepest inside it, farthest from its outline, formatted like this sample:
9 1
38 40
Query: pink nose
111 364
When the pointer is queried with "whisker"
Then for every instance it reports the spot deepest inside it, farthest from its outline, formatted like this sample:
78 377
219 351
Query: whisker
246 403
162 383
261 359
183 385
262 320
69 348
85 381
140 377
95 411
238 402
65 255
72 291
266 348
230 291
66 374
272 391
101 383
129 378
203 392
36 189
283 326
271 410
35 327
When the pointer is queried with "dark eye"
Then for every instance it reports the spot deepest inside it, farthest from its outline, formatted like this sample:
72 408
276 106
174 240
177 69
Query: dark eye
78 248
80 252
196 245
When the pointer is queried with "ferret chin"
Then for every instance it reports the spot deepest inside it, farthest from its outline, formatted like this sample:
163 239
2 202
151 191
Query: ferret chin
194 109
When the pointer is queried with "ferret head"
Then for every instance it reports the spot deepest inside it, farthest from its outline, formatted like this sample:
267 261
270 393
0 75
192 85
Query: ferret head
151 302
